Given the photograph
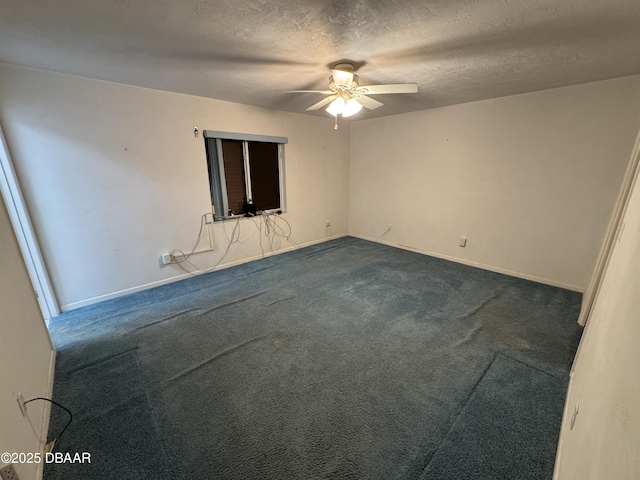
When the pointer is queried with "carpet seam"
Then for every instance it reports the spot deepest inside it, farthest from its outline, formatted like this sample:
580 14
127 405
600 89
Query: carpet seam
169 459
462 408
530 366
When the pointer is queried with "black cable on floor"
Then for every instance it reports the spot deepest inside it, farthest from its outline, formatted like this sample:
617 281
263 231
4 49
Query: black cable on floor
58 405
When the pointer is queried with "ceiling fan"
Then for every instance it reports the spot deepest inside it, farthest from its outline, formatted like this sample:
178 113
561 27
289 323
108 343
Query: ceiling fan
347 96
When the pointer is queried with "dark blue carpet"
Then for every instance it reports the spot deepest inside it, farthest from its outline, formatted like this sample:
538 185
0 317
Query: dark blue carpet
345 360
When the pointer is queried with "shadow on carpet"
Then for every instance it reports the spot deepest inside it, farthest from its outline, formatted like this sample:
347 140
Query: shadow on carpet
345 360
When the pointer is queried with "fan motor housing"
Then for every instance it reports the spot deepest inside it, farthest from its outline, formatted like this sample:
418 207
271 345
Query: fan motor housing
337 87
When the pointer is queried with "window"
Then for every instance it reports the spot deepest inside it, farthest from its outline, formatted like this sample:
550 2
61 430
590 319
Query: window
246 173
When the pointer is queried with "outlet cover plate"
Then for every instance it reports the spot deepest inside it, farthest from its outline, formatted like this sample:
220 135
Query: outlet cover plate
9 473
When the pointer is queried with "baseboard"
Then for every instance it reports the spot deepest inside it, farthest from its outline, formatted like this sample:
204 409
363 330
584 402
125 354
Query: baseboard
166 281
483 266
46 413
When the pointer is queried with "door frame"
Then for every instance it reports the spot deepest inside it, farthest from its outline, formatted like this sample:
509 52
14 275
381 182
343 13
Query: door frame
25 234
613 232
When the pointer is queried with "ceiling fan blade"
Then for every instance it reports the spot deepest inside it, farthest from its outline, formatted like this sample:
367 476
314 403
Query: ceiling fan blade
325 92
391 88
322 103
369 103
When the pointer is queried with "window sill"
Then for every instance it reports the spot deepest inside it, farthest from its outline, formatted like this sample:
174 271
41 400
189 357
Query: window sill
276 211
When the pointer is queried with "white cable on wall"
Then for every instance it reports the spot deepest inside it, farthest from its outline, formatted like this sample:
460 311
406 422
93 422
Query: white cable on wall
264 223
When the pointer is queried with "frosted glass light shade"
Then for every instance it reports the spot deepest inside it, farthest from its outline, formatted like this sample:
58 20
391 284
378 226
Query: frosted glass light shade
336 107
351 108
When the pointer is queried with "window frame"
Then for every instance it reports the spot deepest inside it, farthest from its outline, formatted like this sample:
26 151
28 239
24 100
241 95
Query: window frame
215 165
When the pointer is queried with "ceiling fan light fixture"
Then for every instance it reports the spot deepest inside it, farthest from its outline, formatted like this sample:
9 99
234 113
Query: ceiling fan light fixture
336 107
347 97
342 79
351 107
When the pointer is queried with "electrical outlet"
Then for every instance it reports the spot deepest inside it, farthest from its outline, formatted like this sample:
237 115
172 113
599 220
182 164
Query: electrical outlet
9 473
22 405
166 258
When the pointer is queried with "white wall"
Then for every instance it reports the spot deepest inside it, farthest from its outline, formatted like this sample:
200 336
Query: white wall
113 176
26 354
531 180
605 439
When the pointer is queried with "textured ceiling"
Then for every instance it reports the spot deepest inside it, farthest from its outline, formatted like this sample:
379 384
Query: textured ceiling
249 51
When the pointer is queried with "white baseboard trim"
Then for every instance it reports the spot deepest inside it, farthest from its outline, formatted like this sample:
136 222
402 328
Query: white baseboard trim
127 291
483 266
46 412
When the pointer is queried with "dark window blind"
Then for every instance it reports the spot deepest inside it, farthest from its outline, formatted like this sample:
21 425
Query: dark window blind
234 174
265 175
